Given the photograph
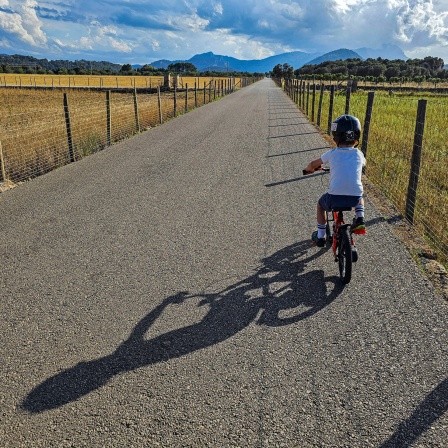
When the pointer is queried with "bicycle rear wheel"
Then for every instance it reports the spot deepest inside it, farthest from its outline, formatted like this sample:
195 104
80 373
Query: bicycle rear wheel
344 254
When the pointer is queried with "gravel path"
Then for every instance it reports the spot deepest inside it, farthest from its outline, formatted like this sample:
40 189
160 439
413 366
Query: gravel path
164 293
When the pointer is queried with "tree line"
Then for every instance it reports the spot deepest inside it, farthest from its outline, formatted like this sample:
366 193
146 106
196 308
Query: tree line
182 68
19 64
376 70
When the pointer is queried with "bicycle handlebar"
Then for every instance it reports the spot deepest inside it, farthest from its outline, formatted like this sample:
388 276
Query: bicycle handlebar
319 168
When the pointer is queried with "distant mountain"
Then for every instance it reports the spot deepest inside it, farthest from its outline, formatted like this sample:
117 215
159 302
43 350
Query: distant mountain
214 62
296 59
336 55
211 61
387 51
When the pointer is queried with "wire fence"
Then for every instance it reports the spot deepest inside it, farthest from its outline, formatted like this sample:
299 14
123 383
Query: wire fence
404 140
105 81
41 130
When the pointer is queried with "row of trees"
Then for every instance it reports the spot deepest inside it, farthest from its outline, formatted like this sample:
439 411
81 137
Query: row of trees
29 65
376 70
184 68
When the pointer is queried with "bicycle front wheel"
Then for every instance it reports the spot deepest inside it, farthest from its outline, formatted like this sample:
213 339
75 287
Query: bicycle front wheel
344 255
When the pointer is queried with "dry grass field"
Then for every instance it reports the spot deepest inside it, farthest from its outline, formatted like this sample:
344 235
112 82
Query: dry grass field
33 133
113 82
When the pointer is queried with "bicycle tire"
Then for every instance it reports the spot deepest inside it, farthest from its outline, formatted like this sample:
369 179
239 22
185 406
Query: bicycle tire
344 254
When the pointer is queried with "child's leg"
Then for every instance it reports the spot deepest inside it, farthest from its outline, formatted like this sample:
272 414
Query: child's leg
359 224
359 209
321 221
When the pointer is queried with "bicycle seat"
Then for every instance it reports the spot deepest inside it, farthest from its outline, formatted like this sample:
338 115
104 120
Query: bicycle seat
341 209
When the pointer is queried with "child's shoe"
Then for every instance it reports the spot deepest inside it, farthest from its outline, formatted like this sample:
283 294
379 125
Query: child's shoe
359 226
319 242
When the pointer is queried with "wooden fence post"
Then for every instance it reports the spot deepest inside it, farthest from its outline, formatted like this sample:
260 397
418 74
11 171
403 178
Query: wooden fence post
321 99
2 165
367 122
313 104
175 100
330 109
195 94
302 95
416 160
186 98
347 100
307 99
205 92
160 105
68 127
137 119
109 120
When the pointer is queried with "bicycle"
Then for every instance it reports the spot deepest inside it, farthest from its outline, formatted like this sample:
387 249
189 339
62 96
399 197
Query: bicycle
341 240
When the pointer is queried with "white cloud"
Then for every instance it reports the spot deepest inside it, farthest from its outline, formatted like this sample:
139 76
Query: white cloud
155 45
346 6
192 23
19 21
218 8
97 38
420 24
253 29
292 12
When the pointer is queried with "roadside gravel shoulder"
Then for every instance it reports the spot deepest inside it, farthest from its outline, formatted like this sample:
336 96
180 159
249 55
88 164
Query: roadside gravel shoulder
424 255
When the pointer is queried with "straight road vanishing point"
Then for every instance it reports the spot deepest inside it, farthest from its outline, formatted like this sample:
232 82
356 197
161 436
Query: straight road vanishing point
164 292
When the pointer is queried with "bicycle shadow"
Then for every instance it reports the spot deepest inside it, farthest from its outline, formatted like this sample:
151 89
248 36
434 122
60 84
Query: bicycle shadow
279 286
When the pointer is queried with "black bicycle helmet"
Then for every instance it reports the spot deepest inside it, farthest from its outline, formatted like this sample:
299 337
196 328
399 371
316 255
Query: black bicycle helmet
346 129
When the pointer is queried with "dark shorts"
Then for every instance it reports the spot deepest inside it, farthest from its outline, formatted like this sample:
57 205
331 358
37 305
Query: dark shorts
330 201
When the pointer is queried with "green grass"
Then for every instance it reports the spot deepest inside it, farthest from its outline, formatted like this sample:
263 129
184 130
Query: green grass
389 154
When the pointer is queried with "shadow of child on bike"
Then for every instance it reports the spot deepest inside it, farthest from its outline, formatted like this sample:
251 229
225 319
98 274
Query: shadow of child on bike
279 293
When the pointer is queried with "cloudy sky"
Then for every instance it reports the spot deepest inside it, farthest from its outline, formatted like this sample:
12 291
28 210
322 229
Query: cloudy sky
142 31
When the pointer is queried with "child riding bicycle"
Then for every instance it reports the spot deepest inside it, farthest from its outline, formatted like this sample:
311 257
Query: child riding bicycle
345 188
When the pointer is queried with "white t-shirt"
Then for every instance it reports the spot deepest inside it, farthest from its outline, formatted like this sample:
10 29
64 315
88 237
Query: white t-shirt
345 170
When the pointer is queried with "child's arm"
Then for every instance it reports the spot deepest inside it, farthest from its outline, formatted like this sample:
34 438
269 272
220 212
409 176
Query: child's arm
313 165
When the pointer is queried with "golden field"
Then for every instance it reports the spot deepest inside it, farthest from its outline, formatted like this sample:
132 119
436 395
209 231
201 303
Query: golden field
33 134
12 80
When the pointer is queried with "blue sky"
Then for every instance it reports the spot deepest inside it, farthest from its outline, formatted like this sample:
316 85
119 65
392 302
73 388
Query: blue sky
142 31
